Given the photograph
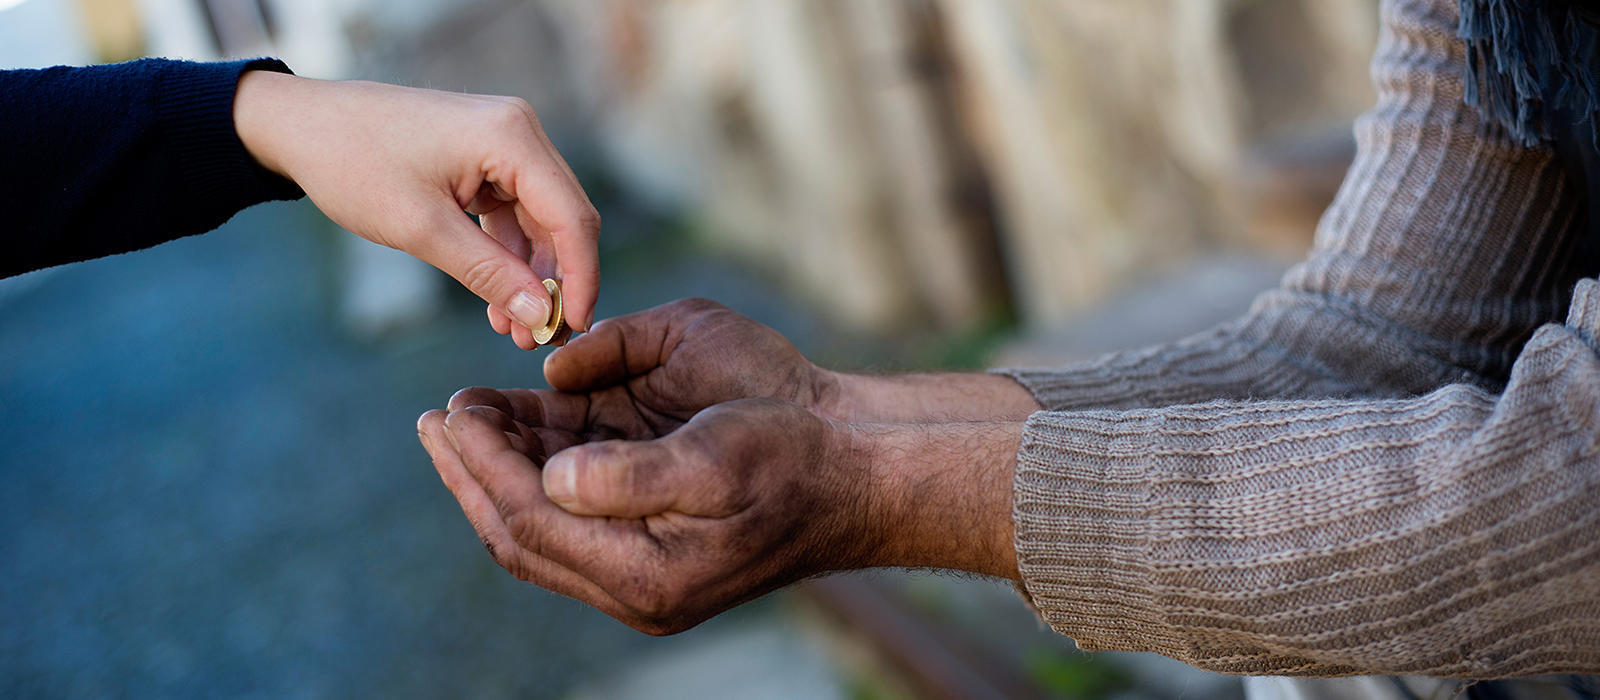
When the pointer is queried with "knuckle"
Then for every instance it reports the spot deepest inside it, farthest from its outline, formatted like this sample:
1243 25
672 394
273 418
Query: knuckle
480 276
513 564
589 221
583 225
521 106
509 113
521 529
698 304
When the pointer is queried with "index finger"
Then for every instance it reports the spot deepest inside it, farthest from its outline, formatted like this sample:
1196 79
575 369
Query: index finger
624 347
552 196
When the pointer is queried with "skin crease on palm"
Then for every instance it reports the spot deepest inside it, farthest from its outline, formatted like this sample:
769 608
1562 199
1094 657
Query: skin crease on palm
690 459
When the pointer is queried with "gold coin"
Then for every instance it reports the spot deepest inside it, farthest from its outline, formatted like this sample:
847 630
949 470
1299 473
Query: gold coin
552 328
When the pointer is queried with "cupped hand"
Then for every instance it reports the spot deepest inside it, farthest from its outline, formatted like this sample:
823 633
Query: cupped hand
659 533
678 358
404 167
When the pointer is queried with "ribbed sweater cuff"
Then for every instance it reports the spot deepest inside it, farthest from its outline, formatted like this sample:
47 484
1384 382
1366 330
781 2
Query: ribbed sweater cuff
1080 506
195 109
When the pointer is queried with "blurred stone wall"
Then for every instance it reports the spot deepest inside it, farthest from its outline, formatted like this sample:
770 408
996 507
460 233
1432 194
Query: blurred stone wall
914 163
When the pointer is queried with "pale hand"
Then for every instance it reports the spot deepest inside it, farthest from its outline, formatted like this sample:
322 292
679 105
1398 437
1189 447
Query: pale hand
404 167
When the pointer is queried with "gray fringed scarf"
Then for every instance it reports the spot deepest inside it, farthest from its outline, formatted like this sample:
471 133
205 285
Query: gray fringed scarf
1528 60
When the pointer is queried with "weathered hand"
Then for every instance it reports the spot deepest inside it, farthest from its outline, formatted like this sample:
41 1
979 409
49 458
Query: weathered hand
684 356
403 167
660 533
670 494
676 359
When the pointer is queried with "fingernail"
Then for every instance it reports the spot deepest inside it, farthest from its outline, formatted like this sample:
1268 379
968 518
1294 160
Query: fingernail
561 480
424 440
529 311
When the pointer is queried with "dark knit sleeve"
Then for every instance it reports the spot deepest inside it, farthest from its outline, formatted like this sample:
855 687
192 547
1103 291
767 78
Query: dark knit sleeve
108 159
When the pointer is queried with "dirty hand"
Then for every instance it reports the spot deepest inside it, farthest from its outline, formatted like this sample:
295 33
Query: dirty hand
681 357
659 533
664 526
404 167
676 359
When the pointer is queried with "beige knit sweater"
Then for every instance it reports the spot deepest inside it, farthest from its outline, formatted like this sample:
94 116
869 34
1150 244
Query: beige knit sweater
1390 465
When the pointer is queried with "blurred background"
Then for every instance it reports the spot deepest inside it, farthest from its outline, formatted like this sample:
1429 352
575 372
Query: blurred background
219 492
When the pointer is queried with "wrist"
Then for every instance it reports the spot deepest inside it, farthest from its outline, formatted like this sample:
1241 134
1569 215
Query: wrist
932 495
260 110
861 523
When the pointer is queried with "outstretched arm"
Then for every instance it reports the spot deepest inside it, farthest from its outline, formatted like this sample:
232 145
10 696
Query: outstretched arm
1394 483
108 159
404 167
1448 534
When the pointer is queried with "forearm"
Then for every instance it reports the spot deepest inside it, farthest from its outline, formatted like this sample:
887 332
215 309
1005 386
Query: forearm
921 398
108 159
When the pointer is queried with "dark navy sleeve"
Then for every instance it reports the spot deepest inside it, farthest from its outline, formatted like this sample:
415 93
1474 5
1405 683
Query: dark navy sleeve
107 159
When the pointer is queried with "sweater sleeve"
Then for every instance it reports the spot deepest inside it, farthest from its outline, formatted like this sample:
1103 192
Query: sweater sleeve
1402 474
1451 534
1448 244
109 159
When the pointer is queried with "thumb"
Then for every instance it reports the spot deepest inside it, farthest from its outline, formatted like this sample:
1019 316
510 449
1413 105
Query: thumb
615 478
480 263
